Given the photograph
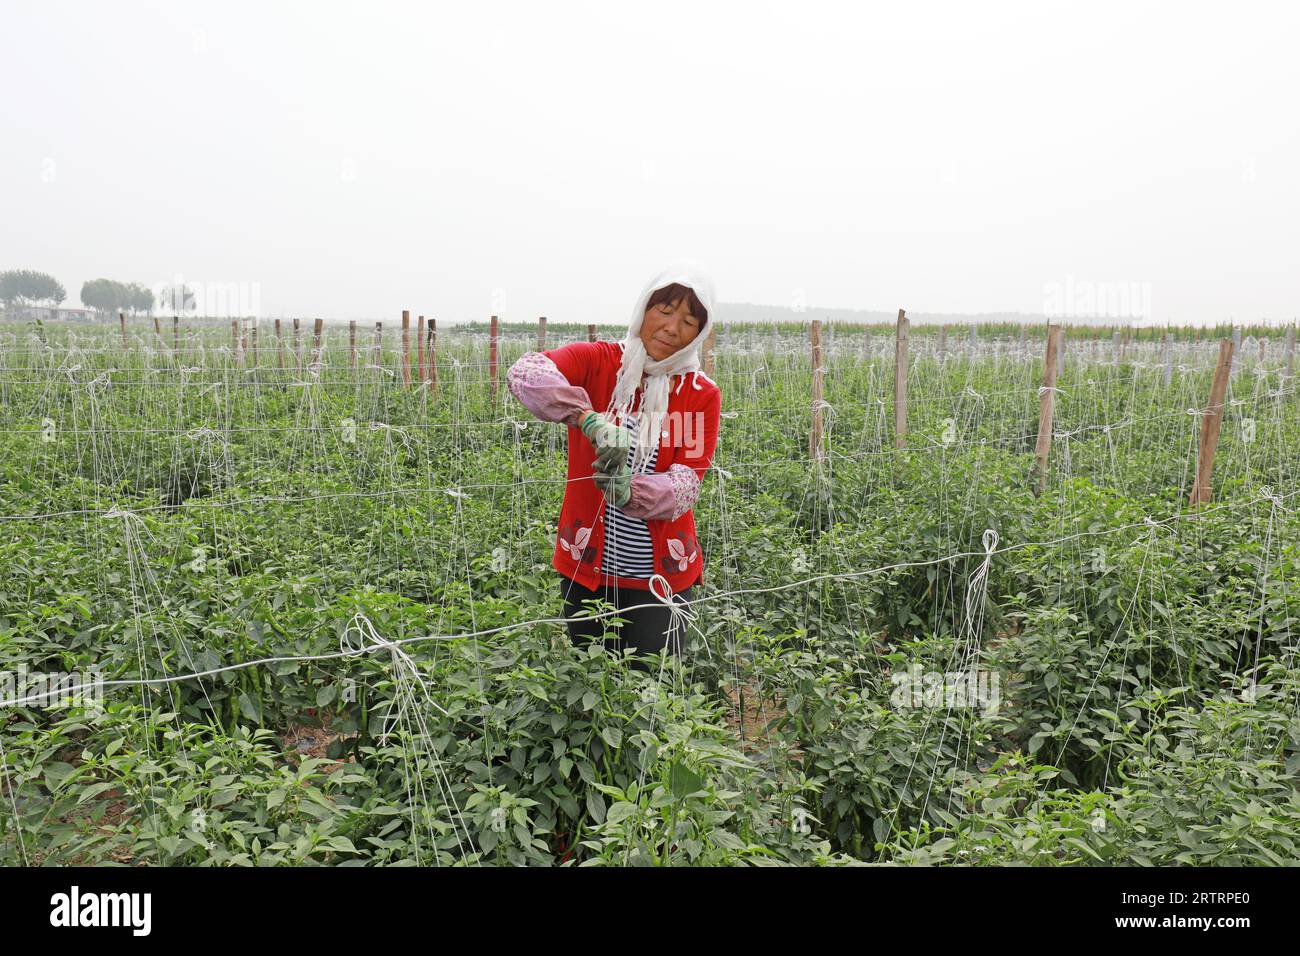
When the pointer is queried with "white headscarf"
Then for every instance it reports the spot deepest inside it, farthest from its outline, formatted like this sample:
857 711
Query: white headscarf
637 362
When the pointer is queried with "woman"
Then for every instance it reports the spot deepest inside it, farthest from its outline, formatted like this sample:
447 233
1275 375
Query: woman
635 469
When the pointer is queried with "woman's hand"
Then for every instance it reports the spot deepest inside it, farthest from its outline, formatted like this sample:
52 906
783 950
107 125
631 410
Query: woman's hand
617 487
610 441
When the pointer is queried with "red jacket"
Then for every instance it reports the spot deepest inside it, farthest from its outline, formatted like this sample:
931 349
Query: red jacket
686 445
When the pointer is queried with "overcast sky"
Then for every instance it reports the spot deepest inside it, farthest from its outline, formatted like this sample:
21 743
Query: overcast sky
544 158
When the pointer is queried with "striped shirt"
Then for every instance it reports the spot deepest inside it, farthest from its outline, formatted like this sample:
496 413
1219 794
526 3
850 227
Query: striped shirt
629 550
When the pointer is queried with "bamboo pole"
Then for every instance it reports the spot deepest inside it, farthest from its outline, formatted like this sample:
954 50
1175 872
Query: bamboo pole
1211 421
815 451
1046 408
317 328
493 327
419 349
900 379
406 348
430 353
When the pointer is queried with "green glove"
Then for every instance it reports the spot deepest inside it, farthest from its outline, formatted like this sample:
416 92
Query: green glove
610 441
617 487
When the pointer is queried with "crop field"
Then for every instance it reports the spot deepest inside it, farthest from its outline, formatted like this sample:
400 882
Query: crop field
287 602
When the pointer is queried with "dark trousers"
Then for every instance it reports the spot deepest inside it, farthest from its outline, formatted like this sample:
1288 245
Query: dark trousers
646 630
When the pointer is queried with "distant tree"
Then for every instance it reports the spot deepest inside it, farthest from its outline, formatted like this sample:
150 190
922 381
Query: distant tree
109 296
141 298
26 286
102 295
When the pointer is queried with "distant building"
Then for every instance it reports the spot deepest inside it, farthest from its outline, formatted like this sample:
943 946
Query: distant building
46 314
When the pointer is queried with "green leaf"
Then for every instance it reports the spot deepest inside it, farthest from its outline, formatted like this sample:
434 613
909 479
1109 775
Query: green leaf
57 772
249 708
596 806
684 781
620 812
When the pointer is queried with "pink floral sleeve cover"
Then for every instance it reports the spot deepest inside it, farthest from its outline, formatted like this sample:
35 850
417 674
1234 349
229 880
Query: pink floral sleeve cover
542 388
667 495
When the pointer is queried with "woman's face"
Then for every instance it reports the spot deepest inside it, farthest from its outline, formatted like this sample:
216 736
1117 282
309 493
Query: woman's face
668 327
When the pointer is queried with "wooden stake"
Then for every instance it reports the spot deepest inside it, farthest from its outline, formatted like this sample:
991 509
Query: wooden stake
900 379
492 355
406 348
377 349
1211 421
591 333
541 334
317 328
815 451
419 349
121 320
297 345
352 344
279 346
433 366
1046 408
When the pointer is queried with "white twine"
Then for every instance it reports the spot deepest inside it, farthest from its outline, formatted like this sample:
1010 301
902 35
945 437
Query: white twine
404 666
977 584
679 618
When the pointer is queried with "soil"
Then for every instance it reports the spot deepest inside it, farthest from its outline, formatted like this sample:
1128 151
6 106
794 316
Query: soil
307 741
751 722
